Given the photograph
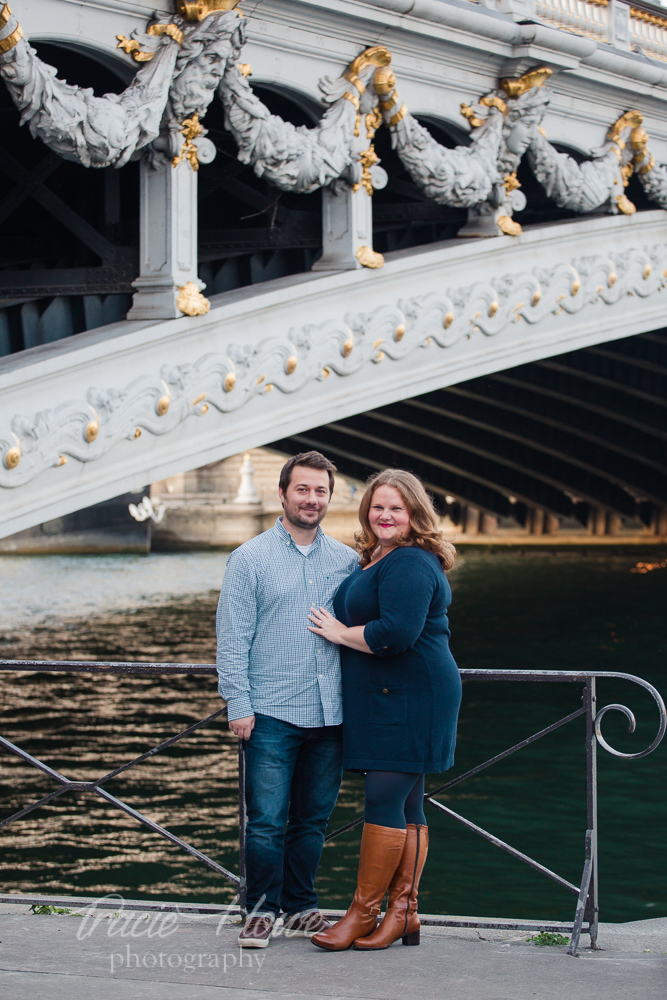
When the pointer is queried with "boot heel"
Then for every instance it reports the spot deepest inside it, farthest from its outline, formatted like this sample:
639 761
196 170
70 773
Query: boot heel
412 938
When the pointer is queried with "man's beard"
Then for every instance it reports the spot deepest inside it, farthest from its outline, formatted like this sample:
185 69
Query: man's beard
293 515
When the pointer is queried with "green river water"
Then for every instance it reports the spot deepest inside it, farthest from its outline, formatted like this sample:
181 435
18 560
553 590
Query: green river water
552 610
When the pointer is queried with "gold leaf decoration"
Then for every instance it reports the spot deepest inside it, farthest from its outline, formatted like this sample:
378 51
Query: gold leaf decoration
369 258
191 301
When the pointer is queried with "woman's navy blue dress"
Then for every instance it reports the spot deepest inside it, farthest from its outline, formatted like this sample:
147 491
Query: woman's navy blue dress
400 702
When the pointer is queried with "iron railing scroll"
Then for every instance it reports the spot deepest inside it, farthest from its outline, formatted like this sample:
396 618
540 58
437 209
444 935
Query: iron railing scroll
587 907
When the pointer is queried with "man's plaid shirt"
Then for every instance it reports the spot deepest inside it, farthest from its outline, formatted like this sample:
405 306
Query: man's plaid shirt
268 661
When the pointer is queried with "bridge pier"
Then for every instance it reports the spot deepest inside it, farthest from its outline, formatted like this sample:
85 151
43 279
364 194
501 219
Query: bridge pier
168 241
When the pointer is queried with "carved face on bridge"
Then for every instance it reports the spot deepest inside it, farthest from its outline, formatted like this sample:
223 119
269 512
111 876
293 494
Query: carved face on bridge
202 62
522 120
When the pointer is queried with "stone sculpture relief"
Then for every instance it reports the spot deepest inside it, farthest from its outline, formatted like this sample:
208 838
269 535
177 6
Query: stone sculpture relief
305 159
584 187
652 178
87 428
182 65
94 131
506 125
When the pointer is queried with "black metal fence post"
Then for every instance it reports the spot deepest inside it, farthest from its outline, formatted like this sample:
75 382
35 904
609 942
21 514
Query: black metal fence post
243 885
587 901
592 905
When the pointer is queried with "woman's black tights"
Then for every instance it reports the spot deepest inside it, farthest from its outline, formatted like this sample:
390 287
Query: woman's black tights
394 799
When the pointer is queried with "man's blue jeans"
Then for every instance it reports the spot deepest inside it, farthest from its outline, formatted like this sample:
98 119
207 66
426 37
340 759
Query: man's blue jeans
292 780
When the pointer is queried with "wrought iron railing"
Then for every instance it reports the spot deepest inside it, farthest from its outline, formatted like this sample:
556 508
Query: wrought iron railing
587 909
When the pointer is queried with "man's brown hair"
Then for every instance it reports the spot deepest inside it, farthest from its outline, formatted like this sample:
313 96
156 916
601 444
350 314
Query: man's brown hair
312 460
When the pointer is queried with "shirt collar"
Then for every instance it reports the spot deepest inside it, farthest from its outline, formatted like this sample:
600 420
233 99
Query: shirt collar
285 535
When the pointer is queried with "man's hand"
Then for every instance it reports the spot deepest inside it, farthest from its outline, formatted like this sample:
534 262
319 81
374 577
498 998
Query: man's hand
243 727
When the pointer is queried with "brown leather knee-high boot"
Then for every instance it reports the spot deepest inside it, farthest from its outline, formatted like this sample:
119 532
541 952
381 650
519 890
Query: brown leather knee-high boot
401 919
381 851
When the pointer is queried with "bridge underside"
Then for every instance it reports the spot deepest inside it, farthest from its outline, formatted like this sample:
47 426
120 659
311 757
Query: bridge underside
580 439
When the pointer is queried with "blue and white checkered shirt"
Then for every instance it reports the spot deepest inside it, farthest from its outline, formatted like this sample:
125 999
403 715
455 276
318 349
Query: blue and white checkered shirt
268 661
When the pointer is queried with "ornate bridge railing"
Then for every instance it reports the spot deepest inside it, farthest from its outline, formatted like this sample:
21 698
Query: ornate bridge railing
586 913
636 25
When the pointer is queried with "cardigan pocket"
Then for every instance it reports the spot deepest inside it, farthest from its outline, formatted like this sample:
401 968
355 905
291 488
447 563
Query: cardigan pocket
387 706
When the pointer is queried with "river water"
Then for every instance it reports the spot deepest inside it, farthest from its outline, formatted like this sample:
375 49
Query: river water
555 610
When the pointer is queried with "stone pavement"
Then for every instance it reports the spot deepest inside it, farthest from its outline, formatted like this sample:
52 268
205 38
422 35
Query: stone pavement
149 956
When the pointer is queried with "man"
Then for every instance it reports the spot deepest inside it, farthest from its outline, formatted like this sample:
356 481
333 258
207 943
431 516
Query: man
283 690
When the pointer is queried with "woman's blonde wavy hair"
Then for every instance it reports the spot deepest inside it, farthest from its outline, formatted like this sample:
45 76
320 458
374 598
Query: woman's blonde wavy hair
425 530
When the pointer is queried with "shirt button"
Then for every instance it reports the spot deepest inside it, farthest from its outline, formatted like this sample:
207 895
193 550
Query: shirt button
310 581
385 690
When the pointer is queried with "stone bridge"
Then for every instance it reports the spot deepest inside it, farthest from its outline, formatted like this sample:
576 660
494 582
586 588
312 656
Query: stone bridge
424 279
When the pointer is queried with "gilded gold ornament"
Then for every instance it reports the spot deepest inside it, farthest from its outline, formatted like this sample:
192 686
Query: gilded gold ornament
399 116
92 429
5 15
230 381
204 409
511 182
384 80
647 271
399 332
367 159
379 356
191 301
198 399
326 372
354 80
631 119
448 320
625 205
535 78
245 69
190 129
377 55
494 102
10 41
13 457
291 364
493 308
137 433
373 122
268 387
62 460
369 258
347 347
509 226
132 47
468 112
611 280
197 10
163 404
537 295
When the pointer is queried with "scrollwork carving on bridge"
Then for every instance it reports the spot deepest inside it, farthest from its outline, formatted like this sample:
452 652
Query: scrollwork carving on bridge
229 379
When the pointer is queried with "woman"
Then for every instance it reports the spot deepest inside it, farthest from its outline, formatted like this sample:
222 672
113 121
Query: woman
401 696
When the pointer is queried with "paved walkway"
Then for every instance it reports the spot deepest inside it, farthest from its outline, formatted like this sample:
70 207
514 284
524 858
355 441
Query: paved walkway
148 956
